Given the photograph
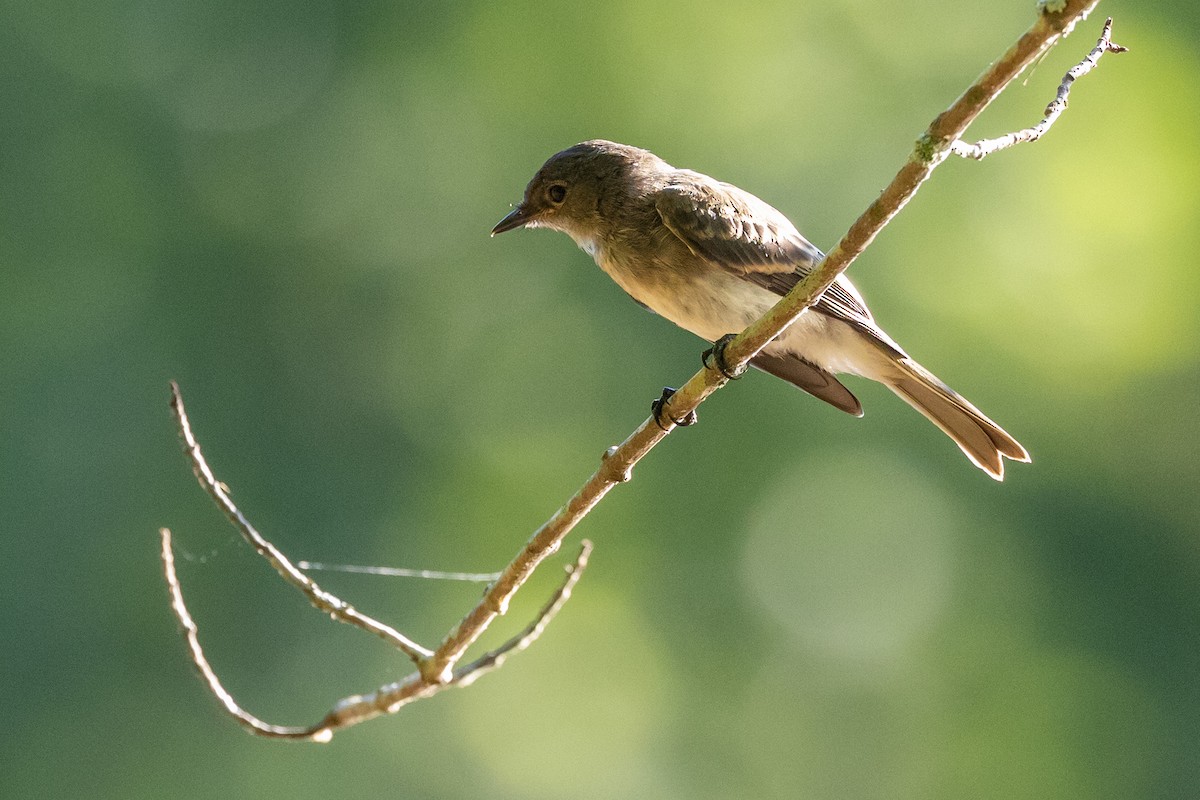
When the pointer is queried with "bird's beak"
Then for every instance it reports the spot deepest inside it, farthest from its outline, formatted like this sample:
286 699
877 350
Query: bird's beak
515 219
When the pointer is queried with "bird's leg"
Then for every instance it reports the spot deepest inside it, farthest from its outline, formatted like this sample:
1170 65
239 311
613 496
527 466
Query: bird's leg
658 405
714 358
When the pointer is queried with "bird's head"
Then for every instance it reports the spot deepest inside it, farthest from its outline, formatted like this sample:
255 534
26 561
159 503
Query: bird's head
573 189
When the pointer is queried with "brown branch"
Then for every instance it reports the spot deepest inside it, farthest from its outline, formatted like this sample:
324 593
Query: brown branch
932 148
351 710
465 676
321 599
985 147
250 722
391 698
439 669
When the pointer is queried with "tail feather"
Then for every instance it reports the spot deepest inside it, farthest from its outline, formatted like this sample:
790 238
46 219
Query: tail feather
811 378
983 441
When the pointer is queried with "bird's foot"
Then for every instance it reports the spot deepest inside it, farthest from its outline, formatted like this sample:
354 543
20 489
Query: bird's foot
659 405
714 358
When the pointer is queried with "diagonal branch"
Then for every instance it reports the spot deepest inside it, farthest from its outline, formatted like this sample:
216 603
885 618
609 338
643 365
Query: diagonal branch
351 710
439 669
493 660
932 148
985 147
391 698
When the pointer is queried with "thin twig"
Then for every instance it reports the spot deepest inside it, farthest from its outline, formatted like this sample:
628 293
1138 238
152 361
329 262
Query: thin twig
392 697
493 660
932 148
351 710
321 599
439 669
250 722
1058 105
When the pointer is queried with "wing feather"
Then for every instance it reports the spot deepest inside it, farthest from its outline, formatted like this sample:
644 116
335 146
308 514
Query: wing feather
732 229
725 225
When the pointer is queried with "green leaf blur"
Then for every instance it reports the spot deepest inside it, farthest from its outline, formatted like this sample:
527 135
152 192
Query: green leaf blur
285 207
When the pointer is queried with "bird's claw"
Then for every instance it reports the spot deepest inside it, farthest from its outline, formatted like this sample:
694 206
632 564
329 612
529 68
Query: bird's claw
714 358
659 405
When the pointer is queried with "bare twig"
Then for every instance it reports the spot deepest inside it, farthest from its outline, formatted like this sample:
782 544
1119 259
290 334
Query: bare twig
1058 105
249 721
439 669
321 599
391 698
357 708
617 464
465 676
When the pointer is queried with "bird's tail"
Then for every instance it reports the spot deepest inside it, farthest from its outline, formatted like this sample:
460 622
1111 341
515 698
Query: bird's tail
983 441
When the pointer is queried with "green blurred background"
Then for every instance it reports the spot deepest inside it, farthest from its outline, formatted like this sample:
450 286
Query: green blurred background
285 206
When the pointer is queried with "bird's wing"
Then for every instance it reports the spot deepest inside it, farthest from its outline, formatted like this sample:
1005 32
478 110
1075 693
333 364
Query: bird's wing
811 378
725 225
734 230
730 227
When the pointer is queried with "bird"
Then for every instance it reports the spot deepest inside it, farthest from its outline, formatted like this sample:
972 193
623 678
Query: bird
713 258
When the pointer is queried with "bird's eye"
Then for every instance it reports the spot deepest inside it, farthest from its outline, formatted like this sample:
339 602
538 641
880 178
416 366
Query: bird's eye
557 193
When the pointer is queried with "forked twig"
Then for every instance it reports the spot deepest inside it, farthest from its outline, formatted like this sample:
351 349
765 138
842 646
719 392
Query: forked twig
321 599
985 147
466 675
440 668
248 721
357 708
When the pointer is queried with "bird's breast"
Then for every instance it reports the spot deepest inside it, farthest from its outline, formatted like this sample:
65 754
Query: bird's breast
696 296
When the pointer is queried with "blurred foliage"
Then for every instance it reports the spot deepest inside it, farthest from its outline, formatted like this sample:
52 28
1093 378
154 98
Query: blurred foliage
285 206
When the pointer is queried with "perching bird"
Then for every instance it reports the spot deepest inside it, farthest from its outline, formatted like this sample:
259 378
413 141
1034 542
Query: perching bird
713 258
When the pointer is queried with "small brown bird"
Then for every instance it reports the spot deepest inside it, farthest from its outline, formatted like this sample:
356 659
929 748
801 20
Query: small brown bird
713 258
